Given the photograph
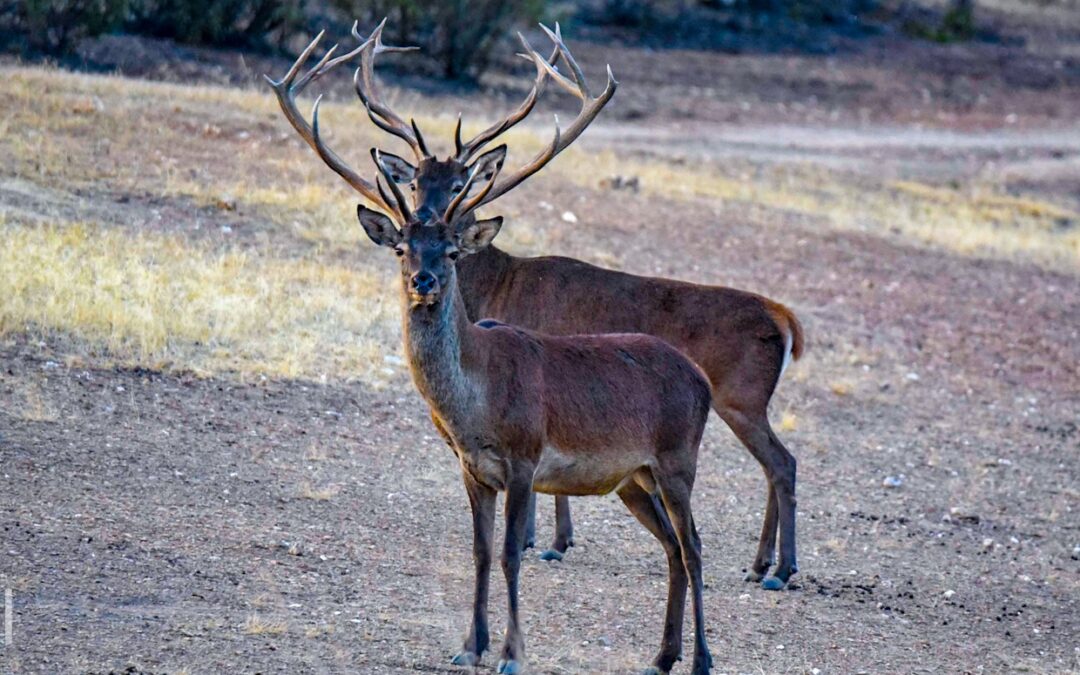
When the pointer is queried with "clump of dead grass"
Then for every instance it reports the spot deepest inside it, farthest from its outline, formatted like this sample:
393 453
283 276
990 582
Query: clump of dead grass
257 625
160 301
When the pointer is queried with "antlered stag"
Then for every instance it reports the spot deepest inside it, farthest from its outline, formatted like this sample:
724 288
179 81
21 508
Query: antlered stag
741 340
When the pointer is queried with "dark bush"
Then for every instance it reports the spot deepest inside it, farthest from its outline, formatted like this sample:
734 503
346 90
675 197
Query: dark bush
459 34
54 26
227 23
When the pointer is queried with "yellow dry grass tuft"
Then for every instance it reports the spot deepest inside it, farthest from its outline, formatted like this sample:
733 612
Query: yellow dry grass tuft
256 625
159 301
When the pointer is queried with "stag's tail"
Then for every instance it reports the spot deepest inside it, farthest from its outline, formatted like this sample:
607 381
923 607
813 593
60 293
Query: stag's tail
791 329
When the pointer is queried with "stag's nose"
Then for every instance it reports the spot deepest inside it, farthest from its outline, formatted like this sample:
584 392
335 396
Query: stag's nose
424 282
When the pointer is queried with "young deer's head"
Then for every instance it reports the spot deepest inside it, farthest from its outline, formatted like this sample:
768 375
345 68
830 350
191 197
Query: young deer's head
429 246
436 183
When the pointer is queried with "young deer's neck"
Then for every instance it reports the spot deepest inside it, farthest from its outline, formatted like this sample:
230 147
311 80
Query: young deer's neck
437 344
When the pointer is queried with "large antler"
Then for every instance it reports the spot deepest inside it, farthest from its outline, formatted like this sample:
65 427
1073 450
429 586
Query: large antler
286 90
379 112
590 108
463 152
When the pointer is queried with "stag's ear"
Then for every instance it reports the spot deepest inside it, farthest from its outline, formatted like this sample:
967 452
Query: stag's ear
400 170
478 234
379 228
488 163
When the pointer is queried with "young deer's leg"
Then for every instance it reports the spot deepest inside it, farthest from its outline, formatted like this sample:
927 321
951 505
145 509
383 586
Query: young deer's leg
651 514
482 501
530 525
757 435
564 530
518 491
676 497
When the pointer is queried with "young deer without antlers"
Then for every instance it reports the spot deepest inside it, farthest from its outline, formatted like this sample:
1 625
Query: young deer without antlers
580 415
742 341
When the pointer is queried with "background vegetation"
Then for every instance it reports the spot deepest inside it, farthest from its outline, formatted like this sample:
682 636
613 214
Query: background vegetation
461 34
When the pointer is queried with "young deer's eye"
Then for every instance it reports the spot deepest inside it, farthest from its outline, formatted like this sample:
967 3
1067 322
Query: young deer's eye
458 186
453 255
398 251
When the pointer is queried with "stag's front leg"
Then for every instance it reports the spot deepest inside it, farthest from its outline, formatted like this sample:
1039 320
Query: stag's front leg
564 530
518 491
482 501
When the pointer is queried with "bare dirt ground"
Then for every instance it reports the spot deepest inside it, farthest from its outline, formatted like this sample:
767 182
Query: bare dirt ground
160 519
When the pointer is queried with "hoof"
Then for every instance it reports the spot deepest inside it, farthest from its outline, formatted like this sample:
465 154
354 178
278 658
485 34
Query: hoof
754 577
551 554
465 659
773 584
510 667
528 544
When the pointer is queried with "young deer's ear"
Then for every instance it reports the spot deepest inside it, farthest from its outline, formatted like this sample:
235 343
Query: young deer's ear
478 234
488 163
379 228
399 170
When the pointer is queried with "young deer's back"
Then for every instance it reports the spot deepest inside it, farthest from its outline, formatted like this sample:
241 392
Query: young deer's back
591 409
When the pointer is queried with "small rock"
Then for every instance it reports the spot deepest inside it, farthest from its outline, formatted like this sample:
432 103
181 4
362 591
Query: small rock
226 203
988 543
50 365
893 481
913 377
569 217
948 594
1076 552
604 641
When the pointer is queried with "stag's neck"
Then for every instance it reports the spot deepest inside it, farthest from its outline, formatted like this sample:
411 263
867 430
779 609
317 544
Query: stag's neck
440 351
480 277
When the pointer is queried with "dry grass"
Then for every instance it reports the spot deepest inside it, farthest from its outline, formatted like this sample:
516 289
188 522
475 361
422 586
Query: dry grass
256 625
165 302
161 302
318 494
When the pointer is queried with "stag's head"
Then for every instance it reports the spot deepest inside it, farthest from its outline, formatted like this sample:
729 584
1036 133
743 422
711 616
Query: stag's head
435 183
429 246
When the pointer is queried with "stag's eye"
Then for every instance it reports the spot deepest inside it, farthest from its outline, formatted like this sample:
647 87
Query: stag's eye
453 255
458 187
398 251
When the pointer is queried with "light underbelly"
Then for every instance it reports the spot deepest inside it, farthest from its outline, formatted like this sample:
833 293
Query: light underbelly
564 473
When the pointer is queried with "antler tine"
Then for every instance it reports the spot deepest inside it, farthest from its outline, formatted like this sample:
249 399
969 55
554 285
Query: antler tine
465 151
364 82
454 212
399 198
560 46
590 108
286 90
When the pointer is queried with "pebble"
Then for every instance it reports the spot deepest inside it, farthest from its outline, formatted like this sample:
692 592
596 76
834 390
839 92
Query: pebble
569 217
893 481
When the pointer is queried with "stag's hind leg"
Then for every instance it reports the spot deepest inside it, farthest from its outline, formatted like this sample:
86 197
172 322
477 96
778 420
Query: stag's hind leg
648 510
779 465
